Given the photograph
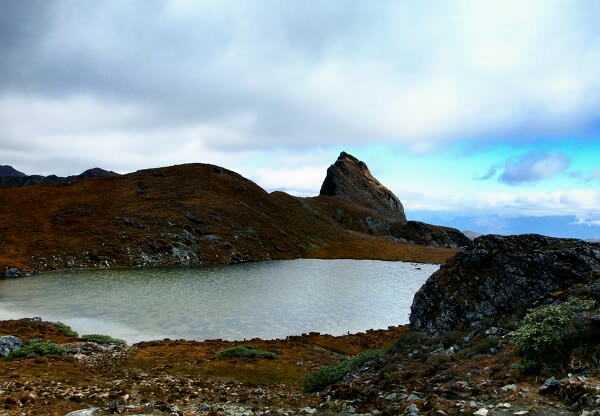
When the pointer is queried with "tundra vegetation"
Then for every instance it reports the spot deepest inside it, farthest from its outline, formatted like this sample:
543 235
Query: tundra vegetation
548 334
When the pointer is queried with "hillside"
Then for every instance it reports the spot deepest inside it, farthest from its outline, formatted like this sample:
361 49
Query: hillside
199 214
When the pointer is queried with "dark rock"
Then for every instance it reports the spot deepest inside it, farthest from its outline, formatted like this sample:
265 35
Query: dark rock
9 343
497 277
416 232
349 177
11 272
550 386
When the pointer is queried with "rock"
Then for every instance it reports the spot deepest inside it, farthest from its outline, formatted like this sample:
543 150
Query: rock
9 343
83 412
481 412
411 410
11 272
550 386
349 177
497 276
416 232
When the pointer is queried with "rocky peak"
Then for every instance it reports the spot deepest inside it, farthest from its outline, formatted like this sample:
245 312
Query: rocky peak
6 170
499 277
349 177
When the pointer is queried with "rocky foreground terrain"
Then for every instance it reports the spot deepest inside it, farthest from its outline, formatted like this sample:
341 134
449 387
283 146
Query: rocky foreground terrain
461 354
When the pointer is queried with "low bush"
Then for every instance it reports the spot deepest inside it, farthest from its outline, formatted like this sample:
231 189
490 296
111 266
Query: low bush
485 345
102 339
331 374
549 333
246 351
410 341
433 364
37 349
65 329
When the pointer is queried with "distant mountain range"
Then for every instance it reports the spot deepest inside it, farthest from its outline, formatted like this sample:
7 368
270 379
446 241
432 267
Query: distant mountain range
9 176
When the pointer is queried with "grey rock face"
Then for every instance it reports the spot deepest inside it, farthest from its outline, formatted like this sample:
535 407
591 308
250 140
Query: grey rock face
9 343
351 178
497 276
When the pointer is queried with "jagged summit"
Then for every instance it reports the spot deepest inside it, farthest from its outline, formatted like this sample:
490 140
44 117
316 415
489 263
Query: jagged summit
351 178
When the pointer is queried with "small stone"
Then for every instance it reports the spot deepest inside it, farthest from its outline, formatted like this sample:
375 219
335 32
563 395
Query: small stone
512 387
549 386
521 412
503 406
392 396
481 412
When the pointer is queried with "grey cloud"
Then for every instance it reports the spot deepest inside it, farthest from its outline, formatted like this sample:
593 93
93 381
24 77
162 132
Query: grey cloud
219 62
534 166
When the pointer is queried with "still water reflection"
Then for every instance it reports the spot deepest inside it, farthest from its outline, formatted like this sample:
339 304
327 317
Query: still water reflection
267 299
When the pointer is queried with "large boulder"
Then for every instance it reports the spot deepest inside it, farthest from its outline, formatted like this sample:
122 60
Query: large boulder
349 177
9 343
498 276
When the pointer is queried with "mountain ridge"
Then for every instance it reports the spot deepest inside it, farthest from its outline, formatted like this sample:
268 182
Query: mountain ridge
198 214
10 177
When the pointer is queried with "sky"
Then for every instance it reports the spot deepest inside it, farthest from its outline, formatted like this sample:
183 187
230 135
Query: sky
480 115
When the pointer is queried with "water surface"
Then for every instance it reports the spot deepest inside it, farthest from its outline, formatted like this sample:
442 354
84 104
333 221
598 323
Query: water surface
266 299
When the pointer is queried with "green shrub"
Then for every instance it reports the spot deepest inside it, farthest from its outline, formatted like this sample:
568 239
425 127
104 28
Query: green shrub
102 339
323 377
246 351
65 329
37 349
549 333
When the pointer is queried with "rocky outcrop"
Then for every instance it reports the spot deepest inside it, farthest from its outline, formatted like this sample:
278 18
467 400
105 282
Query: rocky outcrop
498 277
349 177
416 232
9 343
14 178
11 272
382 212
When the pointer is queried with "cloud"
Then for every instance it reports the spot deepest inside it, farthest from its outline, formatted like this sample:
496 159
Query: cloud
534 166
419 75
490 174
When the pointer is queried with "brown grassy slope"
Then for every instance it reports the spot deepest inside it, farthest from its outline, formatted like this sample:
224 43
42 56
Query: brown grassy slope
187 214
